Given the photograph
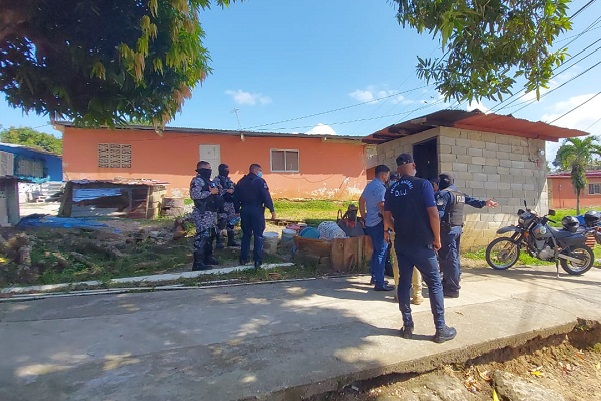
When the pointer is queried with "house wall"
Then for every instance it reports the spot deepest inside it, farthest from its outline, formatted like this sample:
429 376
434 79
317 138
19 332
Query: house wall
509 169
329 169
562 195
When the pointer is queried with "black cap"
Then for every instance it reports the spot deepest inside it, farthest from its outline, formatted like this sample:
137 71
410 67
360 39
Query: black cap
446 180
404 158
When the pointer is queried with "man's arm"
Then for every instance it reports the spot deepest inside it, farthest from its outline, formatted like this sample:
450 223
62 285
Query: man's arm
477 203
362 209
435 226
388 224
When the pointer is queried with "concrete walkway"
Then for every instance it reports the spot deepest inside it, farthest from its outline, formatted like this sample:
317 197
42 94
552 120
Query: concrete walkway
278 341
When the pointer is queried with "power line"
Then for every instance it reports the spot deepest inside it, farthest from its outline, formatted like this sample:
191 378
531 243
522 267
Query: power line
580 105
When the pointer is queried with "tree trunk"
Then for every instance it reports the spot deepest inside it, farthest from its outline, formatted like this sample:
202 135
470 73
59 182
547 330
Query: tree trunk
577 203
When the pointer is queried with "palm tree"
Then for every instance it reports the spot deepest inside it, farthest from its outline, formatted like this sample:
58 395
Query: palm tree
576 155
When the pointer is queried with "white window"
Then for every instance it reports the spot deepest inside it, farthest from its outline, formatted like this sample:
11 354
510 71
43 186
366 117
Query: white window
594 189
284 161
210 154
114 155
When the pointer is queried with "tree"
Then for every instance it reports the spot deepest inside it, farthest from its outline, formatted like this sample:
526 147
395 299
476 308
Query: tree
488 44
30 137
576 155
105 62
102 62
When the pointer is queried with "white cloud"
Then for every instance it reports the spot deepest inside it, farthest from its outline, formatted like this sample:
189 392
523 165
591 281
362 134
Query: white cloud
581 118
479 106
362 96
321 129
373 95
242 97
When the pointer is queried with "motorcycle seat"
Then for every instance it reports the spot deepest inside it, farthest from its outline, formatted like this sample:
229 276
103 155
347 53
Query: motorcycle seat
561 233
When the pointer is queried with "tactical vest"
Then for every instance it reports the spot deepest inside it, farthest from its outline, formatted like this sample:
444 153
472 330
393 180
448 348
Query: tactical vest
454 212
212 203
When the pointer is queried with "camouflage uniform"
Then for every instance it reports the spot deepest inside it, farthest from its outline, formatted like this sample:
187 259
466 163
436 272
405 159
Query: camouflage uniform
205 222
228 213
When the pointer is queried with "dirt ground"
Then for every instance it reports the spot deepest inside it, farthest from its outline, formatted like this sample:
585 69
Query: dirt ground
568 364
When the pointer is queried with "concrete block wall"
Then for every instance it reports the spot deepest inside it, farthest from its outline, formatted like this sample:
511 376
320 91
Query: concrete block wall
507 168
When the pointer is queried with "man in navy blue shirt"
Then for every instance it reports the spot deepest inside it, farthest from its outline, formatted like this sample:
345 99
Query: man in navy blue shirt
250 200
450 202
371 207
410 209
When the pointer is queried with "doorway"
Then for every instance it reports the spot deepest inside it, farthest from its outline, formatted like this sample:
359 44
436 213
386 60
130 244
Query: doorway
425 155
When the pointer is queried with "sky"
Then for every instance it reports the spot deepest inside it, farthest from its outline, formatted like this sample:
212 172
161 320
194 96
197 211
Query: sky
347 67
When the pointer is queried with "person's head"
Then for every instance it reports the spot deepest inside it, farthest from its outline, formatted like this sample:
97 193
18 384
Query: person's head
405 165
204 169
394 177
382 172
446 180
256 169
435 183
224 170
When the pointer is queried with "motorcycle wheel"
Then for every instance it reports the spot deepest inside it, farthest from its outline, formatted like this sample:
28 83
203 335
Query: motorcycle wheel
502 253
585 254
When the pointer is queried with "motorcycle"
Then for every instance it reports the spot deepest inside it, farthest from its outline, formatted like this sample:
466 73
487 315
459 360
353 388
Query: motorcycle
566 246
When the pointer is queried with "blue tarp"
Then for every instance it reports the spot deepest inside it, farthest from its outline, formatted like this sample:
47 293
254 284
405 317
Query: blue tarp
38 220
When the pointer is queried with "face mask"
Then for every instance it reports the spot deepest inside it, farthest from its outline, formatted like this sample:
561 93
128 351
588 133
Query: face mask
205 173
260 174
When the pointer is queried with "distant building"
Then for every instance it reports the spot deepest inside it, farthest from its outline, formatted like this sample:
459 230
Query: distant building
23 164
294 165
563 196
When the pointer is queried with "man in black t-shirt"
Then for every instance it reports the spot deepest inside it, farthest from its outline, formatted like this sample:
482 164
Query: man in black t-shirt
410 209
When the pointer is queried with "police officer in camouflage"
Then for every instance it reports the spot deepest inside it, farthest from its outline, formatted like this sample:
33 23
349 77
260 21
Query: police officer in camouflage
207 202
226 189
450 202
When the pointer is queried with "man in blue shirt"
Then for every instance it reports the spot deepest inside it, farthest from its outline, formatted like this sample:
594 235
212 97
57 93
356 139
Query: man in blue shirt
410 208
450 202
371 207
251 197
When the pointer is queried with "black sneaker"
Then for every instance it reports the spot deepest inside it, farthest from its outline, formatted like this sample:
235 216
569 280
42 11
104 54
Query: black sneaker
445 334
451 294
243 262
384 287
407 332
258 265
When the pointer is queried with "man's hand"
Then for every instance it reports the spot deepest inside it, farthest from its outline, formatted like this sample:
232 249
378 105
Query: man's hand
491 203
387 236
229 191
273 217
214 190
436 244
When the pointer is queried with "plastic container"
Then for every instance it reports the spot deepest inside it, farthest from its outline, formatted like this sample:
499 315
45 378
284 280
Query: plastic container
288 234
270 242
309 232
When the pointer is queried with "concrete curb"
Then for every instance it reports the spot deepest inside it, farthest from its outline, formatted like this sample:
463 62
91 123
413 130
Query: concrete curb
152 279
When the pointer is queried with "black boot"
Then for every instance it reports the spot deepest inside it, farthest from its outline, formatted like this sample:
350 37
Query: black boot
198 261
230 239
220 242
208 253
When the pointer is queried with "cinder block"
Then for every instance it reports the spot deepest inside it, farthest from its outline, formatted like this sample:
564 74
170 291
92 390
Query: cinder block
464 159
446 140
477 143
492 146
474 152
517 164
462 142
481 161
457 167
459 150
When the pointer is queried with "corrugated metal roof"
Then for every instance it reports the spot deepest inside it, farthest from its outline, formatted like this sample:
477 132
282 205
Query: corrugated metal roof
473 120
208 131
566 174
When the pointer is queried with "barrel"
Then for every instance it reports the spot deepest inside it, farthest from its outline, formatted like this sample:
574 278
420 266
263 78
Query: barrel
270 242
172 207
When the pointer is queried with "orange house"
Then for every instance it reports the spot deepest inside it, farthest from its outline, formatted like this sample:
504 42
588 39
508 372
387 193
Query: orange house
294 165
562 195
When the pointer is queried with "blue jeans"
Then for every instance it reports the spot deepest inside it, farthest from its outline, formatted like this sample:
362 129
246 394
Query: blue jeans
449 259
252 221
424 259
378 256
